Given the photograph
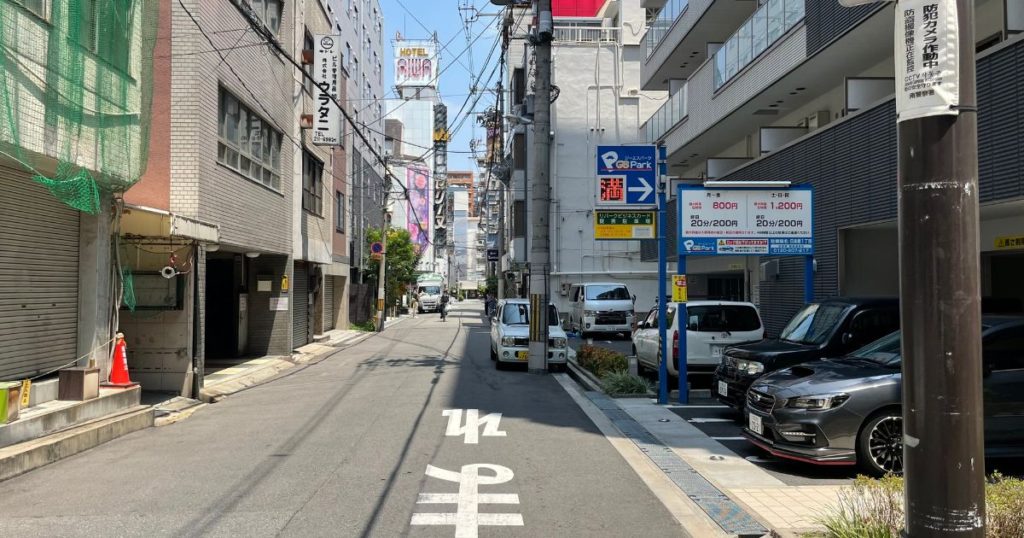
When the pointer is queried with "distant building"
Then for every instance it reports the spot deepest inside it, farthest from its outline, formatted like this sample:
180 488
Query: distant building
465 179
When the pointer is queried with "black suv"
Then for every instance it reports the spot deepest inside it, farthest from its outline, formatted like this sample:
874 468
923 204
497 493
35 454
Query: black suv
830 328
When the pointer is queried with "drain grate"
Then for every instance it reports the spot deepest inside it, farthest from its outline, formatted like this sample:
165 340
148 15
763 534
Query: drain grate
724 511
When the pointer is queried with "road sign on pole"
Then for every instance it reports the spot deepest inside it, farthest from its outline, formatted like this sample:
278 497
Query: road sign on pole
626 176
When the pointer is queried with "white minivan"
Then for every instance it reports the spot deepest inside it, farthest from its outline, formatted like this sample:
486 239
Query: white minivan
711 327
600 307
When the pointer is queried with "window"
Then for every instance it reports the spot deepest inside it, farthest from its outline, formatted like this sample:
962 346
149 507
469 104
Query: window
111 41
601 292
723 318
39 7
339 211
307 44
247 144
269 11
1004 349
312 183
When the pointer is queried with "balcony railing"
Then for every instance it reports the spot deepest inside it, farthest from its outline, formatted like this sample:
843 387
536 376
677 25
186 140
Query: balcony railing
670 113
585 34
660 26
769 23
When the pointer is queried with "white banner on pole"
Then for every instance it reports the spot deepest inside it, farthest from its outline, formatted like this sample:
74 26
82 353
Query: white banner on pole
927 59
327 74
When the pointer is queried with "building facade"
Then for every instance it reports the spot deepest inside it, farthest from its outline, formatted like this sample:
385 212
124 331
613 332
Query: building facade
803 92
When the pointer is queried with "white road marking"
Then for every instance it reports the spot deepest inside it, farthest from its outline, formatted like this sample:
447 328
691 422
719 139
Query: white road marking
701 420
729 438
467 517
678 406
471 429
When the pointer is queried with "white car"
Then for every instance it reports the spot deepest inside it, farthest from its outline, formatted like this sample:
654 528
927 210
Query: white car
712 326
510 334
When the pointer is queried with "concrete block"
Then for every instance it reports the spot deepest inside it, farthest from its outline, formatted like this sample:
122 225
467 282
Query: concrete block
43 391
21 458
44 422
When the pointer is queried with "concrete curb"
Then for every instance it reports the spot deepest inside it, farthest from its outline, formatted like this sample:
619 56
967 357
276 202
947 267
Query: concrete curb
583 377
24 457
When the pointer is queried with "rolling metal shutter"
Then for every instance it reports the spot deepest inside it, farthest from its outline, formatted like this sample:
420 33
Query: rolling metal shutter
328 302
38 278
300 308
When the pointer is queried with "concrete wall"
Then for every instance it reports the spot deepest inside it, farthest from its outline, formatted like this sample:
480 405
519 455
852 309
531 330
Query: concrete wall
159 341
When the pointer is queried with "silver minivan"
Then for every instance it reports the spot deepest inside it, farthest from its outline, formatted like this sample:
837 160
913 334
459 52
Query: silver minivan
600 307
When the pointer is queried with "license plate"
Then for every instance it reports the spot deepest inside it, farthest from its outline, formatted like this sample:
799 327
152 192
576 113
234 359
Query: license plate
716 352
755 424
723 388
522 355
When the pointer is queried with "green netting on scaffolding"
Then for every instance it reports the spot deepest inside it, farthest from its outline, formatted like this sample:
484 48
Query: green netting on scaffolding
75 93
128 289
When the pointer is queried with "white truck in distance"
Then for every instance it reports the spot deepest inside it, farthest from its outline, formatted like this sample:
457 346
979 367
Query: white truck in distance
428 290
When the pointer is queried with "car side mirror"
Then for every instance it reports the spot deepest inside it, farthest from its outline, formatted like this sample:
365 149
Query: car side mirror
634 298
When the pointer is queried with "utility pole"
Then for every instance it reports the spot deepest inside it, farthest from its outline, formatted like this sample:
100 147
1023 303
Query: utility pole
540 254
382 273
940 305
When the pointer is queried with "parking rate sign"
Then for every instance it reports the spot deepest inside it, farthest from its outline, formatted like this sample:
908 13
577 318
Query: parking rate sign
627 175
740 221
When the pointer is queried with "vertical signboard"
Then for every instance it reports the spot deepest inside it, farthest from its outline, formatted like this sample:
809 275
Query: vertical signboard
441 213
418 216
626 175
416 63
927 60
326 74
733 222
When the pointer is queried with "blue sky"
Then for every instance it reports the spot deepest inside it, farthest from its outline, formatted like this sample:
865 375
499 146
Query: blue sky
443 17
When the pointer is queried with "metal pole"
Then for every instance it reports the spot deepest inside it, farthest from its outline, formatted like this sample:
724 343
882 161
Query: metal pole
808 279
684 386
662 279
381 274
944 460
540 255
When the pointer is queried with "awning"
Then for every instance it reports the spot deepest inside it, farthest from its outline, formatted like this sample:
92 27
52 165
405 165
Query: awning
150 222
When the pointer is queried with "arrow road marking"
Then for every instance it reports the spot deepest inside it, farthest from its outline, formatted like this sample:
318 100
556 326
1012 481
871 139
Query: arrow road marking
647 189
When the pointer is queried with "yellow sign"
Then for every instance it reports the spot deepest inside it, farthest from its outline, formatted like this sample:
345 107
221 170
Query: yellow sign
1008 242
442 135
679 288
624 225
414 51
284 282
26 391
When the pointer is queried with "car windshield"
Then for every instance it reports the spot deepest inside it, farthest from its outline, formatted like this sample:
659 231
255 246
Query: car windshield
431 290
722 318
885 351
814 324
610 292
519 314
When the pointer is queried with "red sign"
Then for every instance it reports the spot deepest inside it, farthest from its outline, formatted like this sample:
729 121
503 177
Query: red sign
612 189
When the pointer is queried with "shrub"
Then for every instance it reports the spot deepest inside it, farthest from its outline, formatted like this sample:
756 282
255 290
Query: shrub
366 326
623 382
874 509
601 361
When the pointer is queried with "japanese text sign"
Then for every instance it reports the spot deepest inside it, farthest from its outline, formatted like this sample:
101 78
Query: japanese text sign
627 175
326 73
624 225
927 59
679 288
742 221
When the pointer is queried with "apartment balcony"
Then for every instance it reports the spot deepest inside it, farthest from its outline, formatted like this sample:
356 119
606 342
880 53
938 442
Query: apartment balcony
680 39
578 34
775 65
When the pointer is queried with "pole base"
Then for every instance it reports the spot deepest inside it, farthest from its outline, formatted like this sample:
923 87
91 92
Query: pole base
538 371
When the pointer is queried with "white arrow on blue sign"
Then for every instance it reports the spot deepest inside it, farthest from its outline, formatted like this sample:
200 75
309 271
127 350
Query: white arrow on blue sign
626 175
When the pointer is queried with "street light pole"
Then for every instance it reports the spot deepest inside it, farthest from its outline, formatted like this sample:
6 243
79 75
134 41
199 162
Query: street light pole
944 461
540 254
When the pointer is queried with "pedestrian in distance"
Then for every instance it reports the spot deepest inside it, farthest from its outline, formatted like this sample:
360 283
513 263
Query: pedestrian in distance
414 305
444 305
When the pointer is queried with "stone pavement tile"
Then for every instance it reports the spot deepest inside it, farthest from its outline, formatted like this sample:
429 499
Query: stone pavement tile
793 507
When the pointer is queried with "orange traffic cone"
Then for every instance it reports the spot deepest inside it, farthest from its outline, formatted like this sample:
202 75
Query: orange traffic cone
119 368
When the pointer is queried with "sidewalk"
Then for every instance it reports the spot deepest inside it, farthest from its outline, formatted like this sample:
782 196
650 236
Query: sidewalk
728 489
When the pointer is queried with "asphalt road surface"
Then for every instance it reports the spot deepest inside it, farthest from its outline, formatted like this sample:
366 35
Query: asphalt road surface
370 442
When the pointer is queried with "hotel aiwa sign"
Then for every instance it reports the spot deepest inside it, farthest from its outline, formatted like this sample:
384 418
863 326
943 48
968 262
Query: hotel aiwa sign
416 63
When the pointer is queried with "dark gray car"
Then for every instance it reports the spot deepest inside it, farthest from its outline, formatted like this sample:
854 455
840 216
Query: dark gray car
846 411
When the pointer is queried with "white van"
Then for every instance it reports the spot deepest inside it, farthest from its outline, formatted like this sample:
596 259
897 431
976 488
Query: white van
712 326
600 307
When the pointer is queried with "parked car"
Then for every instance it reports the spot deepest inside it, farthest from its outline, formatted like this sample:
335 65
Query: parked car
598 307
847 410
510 334
829 328
711 327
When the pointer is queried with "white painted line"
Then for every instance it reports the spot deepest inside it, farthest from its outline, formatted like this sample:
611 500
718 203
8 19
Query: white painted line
467 517
453 498
471 430
729 438
678 406
701 420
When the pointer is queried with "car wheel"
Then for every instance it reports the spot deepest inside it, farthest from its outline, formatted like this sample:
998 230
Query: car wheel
880 444
494 355
498 365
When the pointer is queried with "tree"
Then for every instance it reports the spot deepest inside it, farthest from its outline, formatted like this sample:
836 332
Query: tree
400 269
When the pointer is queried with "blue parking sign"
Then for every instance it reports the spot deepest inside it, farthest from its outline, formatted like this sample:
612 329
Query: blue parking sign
627 175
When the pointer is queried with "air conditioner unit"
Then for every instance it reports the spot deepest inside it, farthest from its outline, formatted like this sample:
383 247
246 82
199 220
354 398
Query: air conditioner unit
564 291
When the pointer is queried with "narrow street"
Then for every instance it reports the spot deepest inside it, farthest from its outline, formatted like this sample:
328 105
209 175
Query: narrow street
341 448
